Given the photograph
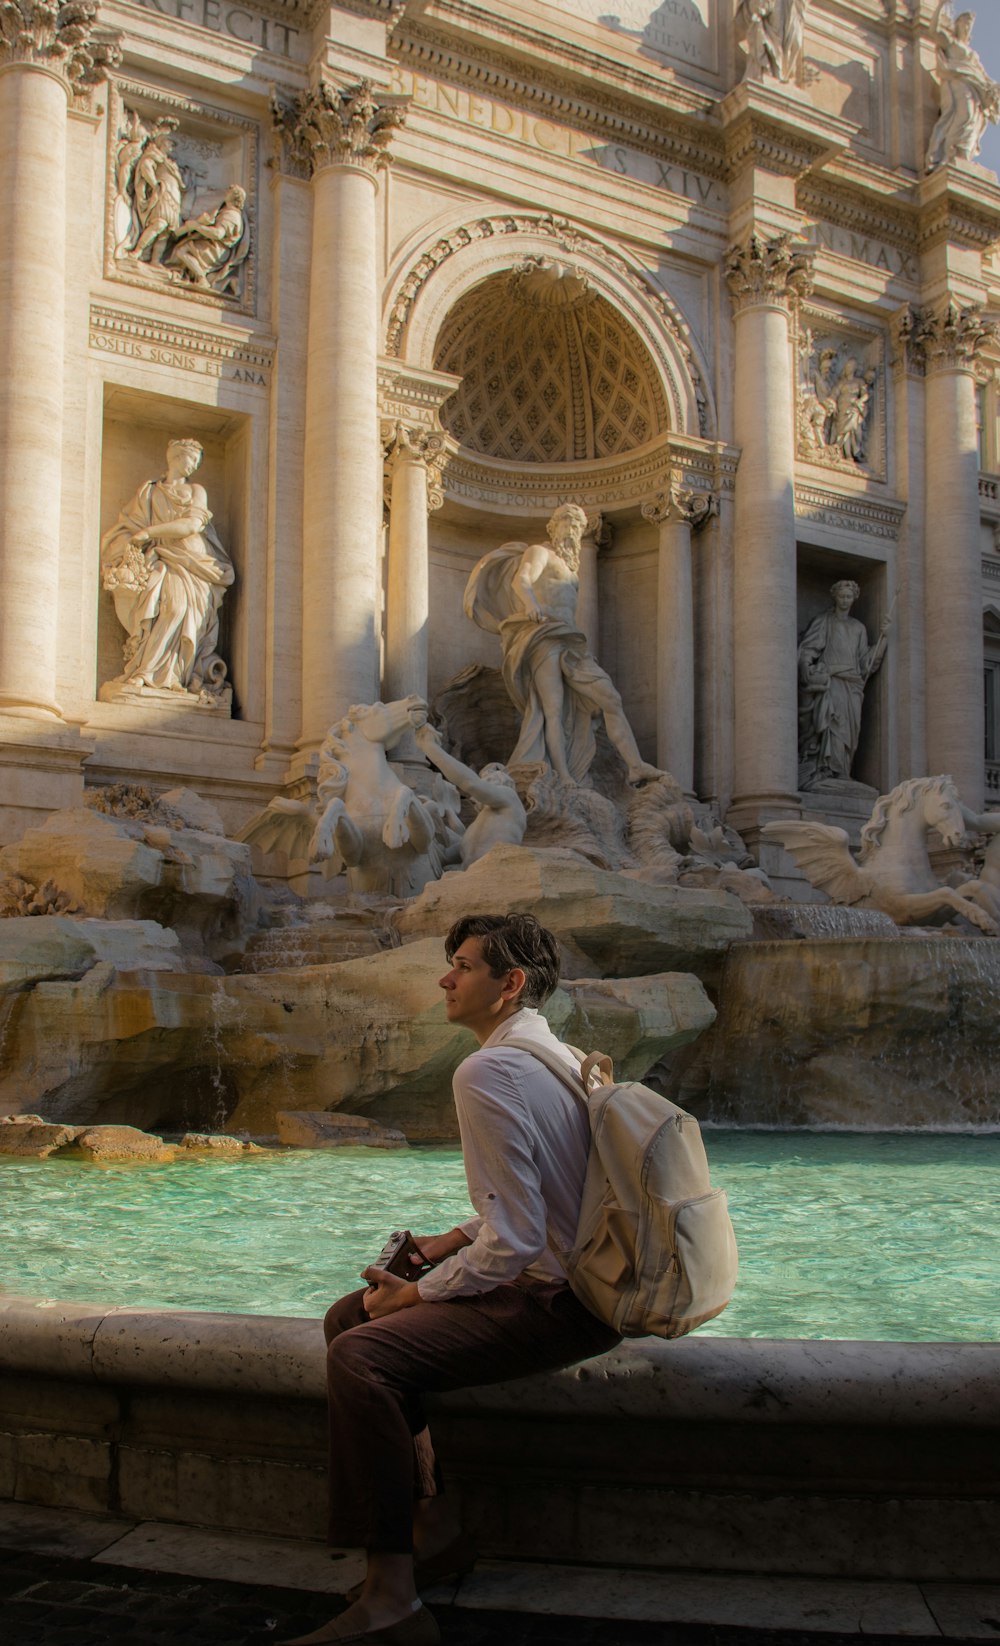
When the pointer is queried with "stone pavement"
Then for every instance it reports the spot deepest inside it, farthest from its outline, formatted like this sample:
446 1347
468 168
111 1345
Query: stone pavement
90 1580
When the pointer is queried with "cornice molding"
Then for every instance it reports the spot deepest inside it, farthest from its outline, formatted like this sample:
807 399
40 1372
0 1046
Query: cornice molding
631 108
958 204
860 213
623 482
849 512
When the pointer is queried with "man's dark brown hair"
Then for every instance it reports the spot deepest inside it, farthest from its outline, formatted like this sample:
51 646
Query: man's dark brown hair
509 940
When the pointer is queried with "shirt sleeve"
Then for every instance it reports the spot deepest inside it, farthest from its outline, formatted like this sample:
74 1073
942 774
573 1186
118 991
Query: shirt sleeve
503 1178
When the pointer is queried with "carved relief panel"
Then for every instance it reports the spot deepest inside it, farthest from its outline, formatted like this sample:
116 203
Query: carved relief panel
181 197
841 395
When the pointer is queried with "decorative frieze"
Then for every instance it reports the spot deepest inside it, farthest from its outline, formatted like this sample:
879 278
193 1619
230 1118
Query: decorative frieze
338 126
63 38
772 273
857 516
131 336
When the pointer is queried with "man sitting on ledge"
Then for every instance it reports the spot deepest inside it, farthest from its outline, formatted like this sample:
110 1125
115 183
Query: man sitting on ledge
496 1305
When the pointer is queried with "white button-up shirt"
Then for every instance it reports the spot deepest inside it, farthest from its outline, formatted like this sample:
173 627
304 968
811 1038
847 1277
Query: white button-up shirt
525 1140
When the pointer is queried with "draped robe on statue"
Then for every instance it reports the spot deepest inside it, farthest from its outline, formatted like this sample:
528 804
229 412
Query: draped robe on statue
492 603
830 711
171 610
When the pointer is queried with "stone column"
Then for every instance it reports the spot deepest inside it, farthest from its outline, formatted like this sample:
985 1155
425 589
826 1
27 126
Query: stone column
951 339
413 476
906 637
341 137
45 54
765 279
676 511
597 536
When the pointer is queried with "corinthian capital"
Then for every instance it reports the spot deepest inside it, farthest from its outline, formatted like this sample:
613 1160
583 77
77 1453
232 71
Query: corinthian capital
950 338
680 504
408 445
62 37
339 126
768 272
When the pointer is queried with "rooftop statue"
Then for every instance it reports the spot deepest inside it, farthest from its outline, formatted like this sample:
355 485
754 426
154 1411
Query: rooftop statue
168 573
835 665
526 593
771 34
893 869
970 100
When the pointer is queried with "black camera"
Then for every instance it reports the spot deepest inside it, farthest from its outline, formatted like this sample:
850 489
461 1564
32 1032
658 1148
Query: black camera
398 1254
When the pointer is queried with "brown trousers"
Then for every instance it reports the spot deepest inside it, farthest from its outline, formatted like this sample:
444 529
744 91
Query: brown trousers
381 1457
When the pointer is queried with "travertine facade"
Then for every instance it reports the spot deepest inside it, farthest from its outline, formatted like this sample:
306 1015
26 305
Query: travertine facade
413 273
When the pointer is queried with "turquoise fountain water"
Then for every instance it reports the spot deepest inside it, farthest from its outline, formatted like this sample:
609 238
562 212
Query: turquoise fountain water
842 1235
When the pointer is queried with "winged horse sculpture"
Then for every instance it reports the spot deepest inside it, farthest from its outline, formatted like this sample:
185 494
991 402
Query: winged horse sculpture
893 869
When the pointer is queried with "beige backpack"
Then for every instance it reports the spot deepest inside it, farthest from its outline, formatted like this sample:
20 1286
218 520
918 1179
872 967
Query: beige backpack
655 1252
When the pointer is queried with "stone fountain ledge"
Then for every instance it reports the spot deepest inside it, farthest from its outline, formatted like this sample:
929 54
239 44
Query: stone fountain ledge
832 1458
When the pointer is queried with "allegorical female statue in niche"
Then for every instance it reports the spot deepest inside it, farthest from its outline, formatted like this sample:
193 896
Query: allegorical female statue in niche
168 573
835 665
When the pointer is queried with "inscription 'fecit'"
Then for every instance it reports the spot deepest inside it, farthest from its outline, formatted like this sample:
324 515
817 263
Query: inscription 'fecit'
248 27
551 138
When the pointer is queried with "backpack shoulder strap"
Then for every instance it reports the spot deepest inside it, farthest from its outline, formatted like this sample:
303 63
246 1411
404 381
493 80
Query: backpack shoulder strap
579 1086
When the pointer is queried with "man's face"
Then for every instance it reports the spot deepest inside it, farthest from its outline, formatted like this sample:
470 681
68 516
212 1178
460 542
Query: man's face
473 997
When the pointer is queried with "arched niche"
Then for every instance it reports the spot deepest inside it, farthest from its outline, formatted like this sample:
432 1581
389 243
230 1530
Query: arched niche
431 280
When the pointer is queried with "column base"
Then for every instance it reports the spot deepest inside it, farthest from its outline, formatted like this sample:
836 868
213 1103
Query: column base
21 707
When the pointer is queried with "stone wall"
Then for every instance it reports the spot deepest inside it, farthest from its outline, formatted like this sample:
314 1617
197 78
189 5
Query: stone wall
874 1459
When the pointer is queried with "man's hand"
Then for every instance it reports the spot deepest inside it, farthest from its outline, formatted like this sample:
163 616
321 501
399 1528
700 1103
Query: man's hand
387 1293
435 1247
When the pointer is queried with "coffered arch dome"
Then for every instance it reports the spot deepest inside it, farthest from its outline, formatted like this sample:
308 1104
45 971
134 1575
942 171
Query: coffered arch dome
442 281
551 372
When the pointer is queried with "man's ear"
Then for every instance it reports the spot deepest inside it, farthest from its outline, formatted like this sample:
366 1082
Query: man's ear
516 979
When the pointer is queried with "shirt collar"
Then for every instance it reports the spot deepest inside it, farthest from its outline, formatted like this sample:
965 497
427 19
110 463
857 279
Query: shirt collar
523 1023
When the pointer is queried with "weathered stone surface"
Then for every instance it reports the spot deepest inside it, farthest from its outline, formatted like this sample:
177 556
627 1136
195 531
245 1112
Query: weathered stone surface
216 1143
125 868
608 924
119 1144
33 1138
635 1020
174 1051
34 947
864 1032
304 1129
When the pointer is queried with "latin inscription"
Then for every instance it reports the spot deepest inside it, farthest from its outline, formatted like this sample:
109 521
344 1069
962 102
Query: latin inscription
861 248
240 24
551 138
180 359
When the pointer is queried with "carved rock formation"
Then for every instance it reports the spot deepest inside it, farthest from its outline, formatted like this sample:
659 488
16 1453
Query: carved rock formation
608 924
